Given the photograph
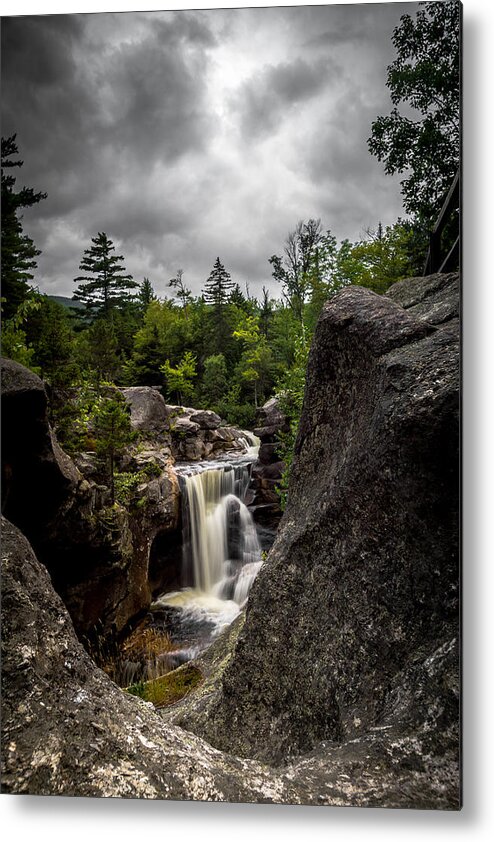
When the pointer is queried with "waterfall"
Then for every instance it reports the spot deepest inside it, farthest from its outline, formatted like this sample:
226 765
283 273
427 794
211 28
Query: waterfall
220 544
221 555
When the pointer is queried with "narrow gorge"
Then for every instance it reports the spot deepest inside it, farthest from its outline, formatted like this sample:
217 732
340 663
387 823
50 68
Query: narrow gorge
313 663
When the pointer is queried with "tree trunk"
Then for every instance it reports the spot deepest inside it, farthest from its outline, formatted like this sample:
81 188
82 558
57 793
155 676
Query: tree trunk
112 479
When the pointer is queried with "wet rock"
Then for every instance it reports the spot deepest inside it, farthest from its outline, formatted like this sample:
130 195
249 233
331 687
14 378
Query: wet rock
197 435
365 563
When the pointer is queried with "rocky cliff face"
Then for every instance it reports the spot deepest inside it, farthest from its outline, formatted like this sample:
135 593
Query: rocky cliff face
105 561
68 730
343 685
268 470
352 624
96 554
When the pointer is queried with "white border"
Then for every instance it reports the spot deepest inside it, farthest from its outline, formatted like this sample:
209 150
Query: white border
82 819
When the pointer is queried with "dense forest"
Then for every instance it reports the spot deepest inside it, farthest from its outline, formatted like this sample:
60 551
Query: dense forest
226 349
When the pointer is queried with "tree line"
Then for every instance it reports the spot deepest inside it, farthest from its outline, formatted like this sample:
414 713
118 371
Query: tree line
225 349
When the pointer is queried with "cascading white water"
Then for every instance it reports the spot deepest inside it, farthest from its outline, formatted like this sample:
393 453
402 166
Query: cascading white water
219 534
221 552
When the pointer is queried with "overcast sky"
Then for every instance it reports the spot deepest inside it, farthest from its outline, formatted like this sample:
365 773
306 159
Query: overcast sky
191 135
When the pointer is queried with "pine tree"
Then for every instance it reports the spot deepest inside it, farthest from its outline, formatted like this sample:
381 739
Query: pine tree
107 286
145 295
113 432
216 293
18 250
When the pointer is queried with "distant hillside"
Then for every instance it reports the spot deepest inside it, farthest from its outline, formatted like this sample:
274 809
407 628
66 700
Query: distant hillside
65 301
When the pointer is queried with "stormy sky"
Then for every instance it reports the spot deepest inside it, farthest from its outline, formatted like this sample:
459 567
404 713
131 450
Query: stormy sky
191 135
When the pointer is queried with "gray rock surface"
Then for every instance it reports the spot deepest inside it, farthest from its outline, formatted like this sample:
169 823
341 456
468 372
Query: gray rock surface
268 470
197 435
365 564
97 555
37 476
68 730
148 411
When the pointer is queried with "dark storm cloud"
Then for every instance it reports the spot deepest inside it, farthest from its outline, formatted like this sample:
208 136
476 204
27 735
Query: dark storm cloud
155 99
266 98
192 134
94 116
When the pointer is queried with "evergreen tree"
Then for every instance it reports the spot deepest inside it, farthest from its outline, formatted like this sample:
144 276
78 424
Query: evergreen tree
113 431
238 298
18 250
106 286
145 295
265 314
216 293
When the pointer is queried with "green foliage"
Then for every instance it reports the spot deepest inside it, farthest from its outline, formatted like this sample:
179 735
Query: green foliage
137 689
112 430
424 140
179 380
379 260
293 268
18 250
15 344
214 380
169 688
236 412
255 364
96 351
127 484
103 286
291 396
49 331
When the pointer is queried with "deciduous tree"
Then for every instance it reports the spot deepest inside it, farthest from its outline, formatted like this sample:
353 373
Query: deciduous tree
423 139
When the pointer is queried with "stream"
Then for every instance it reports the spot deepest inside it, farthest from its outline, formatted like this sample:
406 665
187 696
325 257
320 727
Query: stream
222 553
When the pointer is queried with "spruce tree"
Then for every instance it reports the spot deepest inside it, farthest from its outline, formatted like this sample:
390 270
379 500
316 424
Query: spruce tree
107 286
145 295
18 250
113 432
216 293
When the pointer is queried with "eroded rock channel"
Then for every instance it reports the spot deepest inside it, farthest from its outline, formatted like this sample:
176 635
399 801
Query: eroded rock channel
338 684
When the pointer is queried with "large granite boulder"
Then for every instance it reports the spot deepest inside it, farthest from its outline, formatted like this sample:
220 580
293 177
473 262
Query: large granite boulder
200 434
37 476
97 553
67 729
148 411
267 472
352 623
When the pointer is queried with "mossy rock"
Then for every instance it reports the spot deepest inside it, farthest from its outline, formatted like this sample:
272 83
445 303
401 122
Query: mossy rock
169 688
